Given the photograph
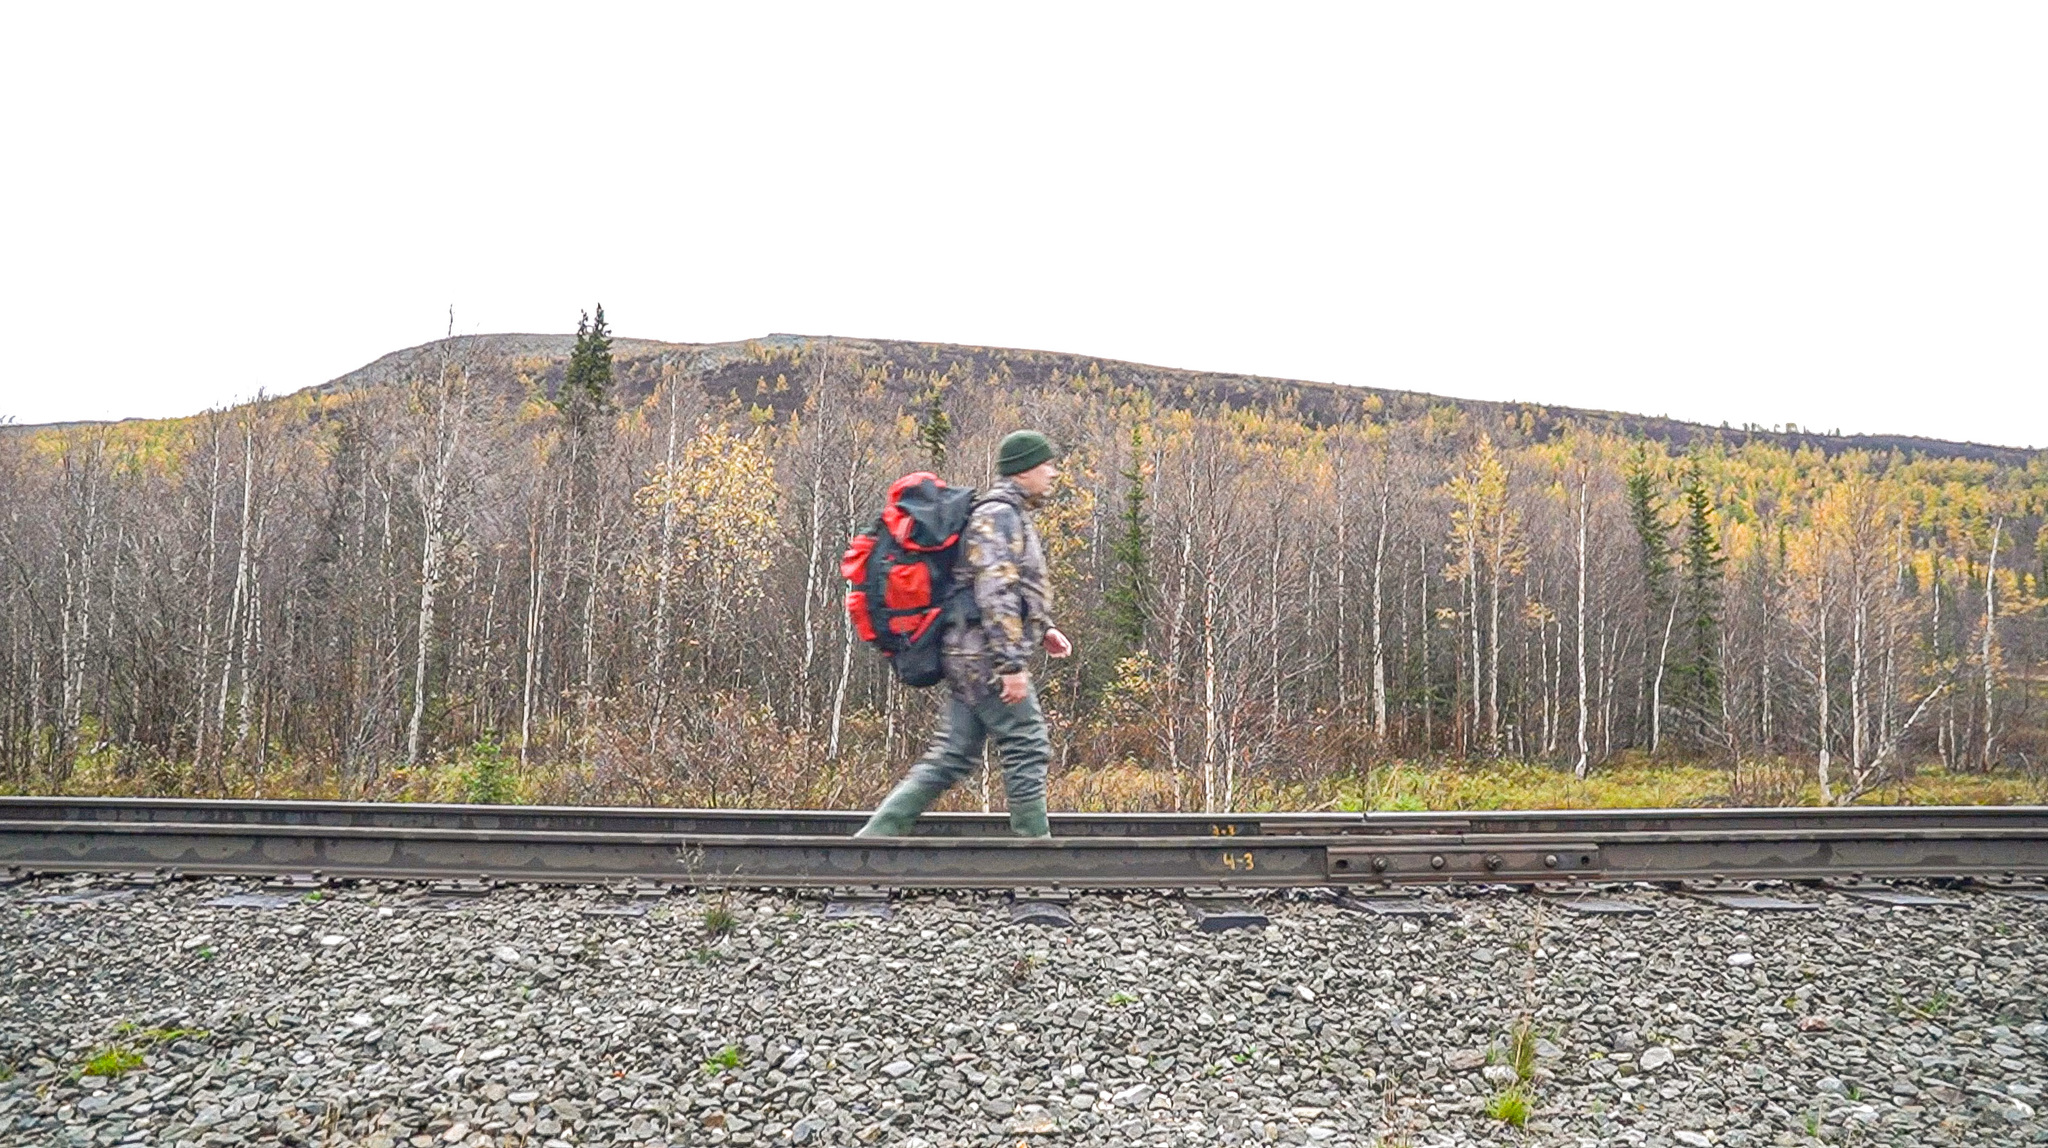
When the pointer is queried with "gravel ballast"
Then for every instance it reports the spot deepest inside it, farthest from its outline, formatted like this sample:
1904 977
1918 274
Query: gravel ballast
354 1017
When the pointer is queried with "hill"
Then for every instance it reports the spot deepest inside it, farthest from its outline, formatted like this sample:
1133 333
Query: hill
740 370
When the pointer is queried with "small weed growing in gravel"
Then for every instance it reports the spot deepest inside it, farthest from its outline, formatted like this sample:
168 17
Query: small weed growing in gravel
173 1035
719 919
1522 1049
705 955
111 1061
311 897
727 1058
1930 1008
1120 999
6 1072
1021 970
1510 1106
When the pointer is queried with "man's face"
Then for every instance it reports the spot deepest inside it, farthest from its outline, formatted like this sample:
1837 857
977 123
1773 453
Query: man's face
1038 480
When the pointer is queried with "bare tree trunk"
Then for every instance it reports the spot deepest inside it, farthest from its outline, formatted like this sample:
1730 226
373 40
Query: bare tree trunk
533 634
1856 707
1428 687
439 446
1173 674
1478 665
1943 729
1208 689
1493 655
1343 595
1579 769
1379 652
1657 684
846 631
804 699
1821 693
199 722
430 586
1888 688
1989 654
658 671
240 601
252 646
1273 632
487 682
590 608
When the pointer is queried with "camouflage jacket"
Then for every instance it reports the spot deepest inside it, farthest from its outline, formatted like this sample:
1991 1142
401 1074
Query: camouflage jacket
1001 559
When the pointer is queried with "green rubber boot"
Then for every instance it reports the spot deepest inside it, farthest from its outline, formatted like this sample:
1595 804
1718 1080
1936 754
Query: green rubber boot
899 811
1027 819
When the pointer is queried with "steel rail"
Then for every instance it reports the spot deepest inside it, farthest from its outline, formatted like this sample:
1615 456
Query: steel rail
827 823
1081 862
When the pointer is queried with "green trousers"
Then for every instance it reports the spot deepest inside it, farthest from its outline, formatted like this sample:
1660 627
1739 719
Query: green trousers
1022 745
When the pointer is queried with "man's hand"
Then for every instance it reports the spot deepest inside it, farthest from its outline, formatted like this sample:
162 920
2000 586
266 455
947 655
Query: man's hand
1057 645
1015 686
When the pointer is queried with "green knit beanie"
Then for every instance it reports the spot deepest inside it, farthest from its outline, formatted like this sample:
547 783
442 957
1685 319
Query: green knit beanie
1022 450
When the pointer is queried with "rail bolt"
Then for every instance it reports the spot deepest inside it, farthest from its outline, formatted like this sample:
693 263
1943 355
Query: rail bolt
1436 861
1379 864
1550 860
1493 861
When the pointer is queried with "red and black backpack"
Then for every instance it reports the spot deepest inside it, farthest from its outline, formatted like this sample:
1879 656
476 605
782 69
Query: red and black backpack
899 574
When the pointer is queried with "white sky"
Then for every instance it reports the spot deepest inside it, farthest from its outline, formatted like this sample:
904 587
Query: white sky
1832 214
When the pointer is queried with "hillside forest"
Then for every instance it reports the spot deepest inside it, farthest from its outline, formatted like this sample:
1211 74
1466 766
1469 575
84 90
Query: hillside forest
581 569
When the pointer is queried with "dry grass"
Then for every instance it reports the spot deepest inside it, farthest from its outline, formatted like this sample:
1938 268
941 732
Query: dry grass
740 759
1638 783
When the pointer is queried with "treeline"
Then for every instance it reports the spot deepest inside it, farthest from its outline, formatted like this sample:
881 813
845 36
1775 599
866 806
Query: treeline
613 580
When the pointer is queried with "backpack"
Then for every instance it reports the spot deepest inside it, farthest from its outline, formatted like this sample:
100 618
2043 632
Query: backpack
899 574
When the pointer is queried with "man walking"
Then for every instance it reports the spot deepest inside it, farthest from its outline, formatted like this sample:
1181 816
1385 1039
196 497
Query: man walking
990 695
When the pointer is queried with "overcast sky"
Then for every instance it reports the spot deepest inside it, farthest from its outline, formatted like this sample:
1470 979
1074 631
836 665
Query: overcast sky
1828 214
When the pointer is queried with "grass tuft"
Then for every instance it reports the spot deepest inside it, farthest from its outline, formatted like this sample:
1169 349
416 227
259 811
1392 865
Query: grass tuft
1522 1050
719 919
727 1058
111 1061
1510 1106
1929 1009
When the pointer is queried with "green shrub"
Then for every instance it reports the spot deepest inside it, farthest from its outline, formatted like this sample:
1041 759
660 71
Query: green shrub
486 776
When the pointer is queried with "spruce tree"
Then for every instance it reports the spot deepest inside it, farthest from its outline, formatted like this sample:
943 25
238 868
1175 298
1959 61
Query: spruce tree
1647 517
587 383
1654 542
1699 607
1131 584
934 425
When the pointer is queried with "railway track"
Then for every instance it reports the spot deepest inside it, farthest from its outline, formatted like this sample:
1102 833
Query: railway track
839 823
816 849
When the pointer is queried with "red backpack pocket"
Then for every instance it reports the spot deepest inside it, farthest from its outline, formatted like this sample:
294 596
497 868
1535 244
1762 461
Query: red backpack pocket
910 587
913 626
853 565
857 609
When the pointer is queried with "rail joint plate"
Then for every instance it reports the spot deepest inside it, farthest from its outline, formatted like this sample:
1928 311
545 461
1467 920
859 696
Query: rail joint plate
1461 862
